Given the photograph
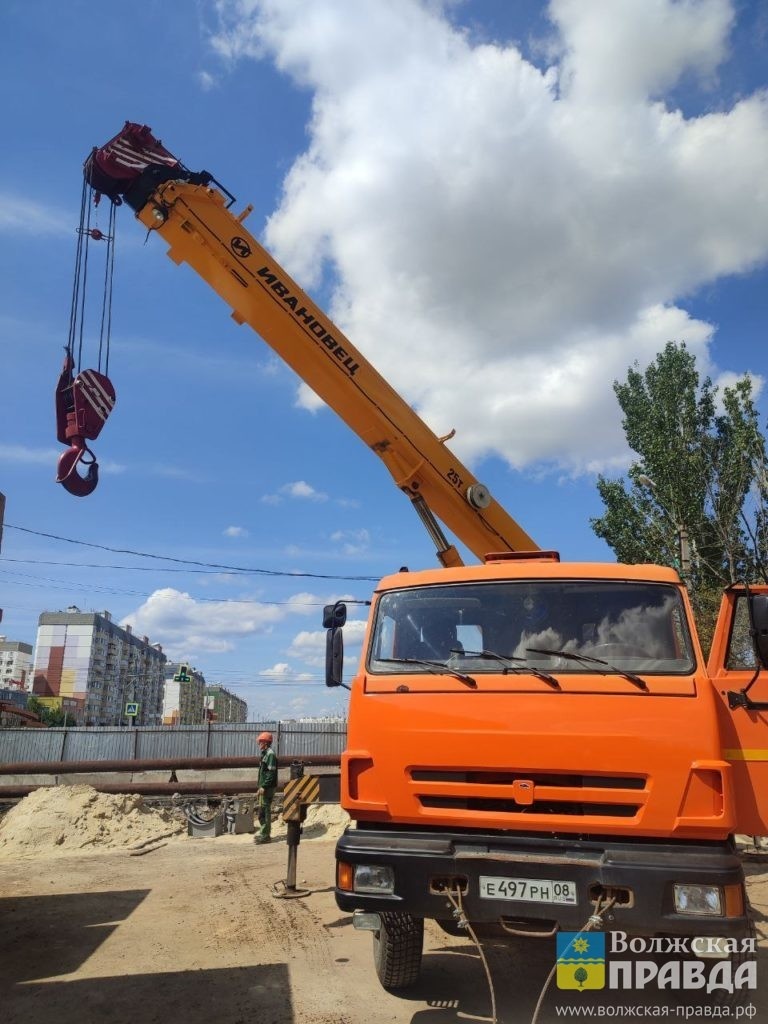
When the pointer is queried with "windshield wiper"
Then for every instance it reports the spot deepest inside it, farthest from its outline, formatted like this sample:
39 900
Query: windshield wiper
516 669
587 660
435 667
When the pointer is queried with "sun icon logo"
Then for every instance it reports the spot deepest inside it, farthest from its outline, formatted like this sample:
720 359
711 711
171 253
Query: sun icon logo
580 961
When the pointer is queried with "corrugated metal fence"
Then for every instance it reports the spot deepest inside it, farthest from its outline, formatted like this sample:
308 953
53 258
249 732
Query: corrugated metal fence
104 743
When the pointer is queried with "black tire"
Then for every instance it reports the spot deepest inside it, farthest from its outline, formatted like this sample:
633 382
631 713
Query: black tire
719 996
397 948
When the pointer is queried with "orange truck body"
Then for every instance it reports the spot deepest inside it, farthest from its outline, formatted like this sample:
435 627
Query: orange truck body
568 753
537 799
668 739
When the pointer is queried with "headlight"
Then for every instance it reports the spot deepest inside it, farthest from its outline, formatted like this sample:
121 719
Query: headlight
374 878
701 900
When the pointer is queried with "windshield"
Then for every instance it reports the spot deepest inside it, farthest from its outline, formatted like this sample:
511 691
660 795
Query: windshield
632 627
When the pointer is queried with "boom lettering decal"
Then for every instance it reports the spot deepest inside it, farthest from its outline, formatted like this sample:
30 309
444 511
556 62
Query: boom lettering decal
308 318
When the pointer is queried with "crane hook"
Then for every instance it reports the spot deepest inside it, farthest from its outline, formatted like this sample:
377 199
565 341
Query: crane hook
67 475
83 403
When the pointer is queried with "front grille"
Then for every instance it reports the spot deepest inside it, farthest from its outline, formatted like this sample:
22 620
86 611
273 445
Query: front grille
537 807
519 793
506 778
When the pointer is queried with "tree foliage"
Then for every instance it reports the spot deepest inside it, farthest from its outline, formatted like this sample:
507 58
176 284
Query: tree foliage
52 717
696 496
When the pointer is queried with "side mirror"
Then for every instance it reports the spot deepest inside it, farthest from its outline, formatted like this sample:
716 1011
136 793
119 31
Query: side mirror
334 615
758 617
334 657
334 618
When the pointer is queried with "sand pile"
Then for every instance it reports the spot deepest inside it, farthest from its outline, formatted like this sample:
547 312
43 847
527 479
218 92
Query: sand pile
77 817
324 821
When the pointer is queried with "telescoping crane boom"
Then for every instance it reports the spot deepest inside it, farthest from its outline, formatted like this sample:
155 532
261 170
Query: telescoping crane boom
533 746
192 213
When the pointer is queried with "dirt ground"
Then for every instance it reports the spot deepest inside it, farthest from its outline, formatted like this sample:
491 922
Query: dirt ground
194 932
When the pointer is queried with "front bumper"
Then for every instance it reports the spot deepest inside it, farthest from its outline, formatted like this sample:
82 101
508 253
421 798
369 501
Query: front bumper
639 875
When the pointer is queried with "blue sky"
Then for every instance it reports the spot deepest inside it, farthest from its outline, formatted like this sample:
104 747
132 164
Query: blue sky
504 205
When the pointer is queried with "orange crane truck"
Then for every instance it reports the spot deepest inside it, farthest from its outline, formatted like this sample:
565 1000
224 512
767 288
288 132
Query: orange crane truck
534 746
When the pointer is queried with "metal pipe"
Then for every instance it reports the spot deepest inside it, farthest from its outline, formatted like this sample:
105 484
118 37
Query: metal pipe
144 788
158 764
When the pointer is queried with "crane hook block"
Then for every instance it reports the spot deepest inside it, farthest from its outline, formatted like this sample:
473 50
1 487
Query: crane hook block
83 404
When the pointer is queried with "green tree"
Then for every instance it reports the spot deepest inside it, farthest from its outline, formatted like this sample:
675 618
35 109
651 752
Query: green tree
52 717
696 496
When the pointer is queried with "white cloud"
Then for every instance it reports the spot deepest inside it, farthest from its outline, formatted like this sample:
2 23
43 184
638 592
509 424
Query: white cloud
353 542
301 489
19 216
235 531
307 604
183 625
173 472
354 631
307 399
729 380
630 50
298 489
509 239
112 467
282 670
309 645
21 454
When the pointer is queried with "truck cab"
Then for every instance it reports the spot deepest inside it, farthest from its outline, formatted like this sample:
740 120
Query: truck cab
531 743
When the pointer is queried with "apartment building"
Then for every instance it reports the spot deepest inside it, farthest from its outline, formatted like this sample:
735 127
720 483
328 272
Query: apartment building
183 694
87 658
15 664
223 706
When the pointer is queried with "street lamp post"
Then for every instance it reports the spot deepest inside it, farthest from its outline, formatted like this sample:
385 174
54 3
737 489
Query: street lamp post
683 540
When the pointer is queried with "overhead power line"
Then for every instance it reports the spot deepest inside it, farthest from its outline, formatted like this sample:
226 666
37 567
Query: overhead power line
106 565
188 561
46 583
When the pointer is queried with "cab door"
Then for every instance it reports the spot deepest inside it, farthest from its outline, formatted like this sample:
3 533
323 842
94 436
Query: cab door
740 679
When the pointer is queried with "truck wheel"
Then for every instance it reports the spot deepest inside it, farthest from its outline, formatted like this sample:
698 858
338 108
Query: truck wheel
397 948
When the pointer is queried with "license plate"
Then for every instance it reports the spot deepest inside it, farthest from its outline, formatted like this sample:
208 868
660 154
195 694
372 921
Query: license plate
528 890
